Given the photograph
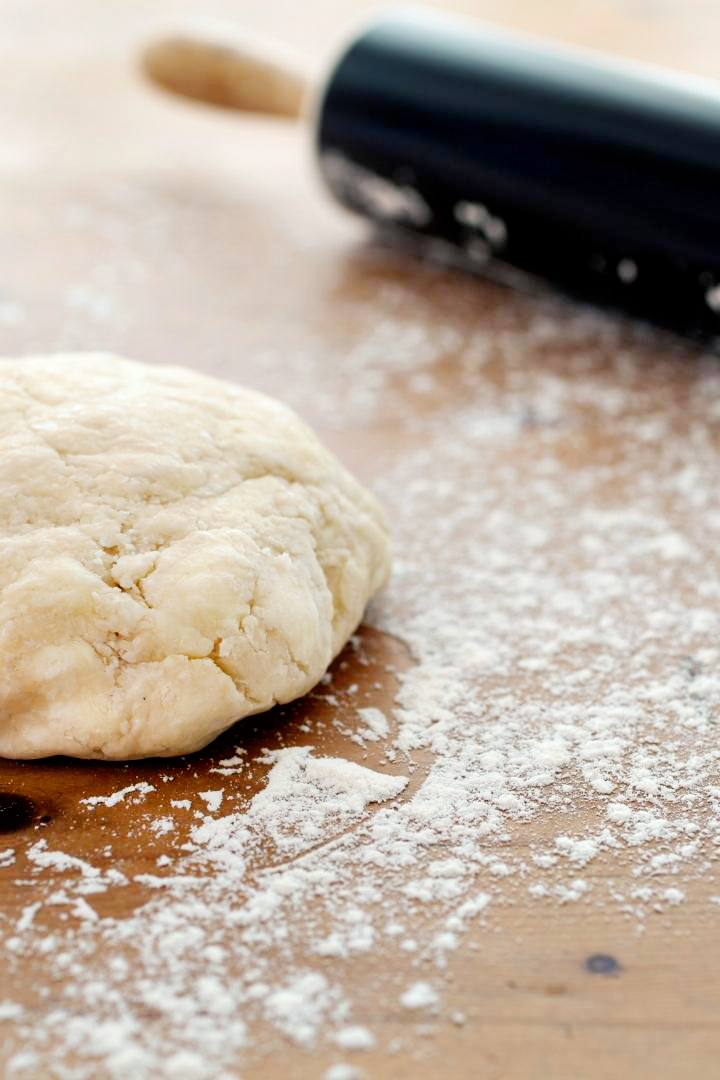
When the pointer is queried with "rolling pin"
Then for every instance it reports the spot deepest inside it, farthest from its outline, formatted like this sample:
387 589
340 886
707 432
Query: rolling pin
599 175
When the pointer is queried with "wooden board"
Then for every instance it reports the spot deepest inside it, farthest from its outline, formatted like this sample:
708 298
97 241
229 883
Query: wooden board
169 233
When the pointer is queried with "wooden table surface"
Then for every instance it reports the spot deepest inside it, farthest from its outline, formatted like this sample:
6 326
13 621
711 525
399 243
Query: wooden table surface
134 223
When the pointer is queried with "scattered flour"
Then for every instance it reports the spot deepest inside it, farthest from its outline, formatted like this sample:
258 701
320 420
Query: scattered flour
554 743
343 1072
420 995
10 1010
354 1038
377 724
213 799
118 796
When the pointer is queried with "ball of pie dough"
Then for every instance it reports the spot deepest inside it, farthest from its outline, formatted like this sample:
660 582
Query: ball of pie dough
175 553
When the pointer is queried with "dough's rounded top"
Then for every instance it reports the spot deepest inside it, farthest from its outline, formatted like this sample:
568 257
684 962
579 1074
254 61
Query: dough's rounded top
176 552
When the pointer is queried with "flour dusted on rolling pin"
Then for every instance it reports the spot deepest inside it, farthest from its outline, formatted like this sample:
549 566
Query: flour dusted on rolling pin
175 553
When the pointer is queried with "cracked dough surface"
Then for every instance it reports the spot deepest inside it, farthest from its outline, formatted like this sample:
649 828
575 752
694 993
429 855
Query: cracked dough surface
176 553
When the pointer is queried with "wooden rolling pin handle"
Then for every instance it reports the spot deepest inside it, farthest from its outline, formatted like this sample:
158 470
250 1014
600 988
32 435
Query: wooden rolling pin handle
219 65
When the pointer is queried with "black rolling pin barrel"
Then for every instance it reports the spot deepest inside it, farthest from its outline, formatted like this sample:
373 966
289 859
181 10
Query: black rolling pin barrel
603 178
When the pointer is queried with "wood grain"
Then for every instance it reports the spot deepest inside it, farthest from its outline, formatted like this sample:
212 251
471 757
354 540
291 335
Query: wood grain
168 233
